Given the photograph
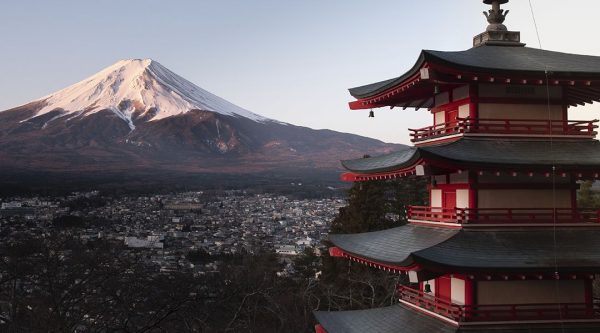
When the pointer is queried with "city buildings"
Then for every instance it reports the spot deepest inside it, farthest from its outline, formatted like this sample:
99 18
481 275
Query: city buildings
167 227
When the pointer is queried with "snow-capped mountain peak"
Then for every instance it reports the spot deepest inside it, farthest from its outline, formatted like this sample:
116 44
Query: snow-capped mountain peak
140 86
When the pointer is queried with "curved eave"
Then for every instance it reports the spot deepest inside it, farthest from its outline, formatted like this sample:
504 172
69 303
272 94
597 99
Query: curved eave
391 248
376 88
395 161
416 93
360 177
565 155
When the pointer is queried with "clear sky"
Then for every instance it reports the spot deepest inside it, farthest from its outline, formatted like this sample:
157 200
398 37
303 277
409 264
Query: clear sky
291 60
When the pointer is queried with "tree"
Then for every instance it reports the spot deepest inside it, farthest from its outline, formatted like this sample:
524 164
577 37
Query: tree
54 283
373 205
586 197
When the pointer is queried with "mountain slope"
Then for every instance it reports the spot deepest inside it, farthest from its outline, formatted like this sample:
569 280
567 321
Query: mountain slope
138 88
137 115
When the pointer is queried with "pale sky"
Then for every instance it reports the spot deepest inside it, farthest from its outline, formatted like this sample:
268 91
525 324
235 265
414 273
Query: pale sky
290 60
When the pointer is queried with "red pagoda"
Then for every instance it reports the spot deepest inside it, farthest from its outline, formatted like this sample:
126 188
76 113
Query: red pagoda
502 246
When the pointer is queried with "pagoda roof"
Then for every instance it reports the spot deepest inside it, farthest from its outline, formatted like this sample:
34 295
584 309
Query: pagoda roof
464 250
565 154
393 246
392 319
505 60
400 319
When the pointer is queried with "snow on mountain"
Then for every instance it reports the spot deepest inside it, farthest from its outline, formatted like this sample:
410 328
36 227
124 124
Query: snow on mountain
136 116
141 86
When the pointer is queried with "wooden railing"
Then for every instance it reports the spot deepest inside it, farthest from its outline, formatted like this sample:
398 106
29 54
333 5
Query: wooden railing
505 312
436 214
525 127
503 215
431 303
432 132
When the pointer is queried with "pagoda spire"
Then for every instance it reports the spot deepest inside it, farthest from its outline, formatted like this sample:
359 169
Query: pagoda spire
496 16
496 32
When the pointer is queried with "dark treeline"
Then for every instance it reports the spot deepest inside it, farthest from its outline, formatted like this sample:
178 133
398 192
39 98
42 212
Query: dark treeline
315 183
56 283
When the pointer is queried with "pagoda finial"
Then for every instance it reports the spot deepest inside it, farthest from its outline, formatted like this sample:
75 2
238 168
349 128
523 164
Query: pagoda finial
496 32
496 16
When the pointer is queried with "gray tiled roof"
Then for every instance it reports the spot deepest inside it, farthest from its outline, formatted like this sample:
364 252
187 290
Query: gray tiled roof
399 319
405 157
524 250
493 59
516 250
393 246
393 319
497 152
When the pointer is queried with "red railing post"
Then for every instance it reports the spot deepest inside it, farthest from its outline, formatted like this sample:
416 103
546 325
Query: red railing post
459 215
462 124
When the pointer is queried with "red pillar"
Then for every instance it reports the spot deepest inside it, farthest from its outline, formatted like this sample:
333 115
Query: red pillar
319 329
469 297
573 192
589 296
474 101
472 215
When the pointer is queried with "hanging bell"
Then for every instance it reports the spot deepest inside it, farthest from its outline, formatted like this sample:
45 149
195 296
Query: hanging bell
371 114
427 288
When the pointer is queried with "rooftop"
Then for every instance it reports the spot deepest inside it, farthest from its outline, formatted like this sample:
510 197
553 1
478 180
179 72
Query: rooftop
532 154
504 60
523 250
400 319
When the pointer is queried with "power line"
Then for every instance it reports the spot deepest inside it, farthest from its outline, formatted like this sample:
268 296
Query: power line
554 217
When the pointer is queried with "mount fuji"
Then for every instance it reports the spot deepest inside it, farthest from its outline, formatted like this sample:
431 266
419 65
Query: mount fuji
138 115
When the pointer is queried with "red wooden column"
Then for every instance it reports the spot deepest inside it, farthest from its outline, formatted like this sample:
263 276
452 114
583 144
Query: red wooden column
573 192
319 329
443 288
474 104
589 296
469 297
472 196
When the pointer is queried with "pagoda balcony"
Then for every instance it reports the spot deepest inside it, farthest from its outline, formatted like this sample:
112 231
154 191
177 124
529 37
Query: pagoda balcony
506 127
499 313
504 216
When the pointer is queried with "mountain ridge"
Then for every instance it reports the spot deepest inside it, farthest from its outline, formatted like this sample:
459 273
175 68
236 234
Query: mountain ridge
138 86
138 115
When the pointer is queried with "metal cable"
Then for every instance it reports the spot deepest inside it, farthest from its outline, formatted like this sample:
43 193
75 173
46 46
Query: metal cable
554 217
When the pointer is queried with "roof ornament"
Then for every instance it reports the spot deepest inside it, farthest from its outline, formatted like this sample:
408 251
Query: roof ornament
496 33
496 16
